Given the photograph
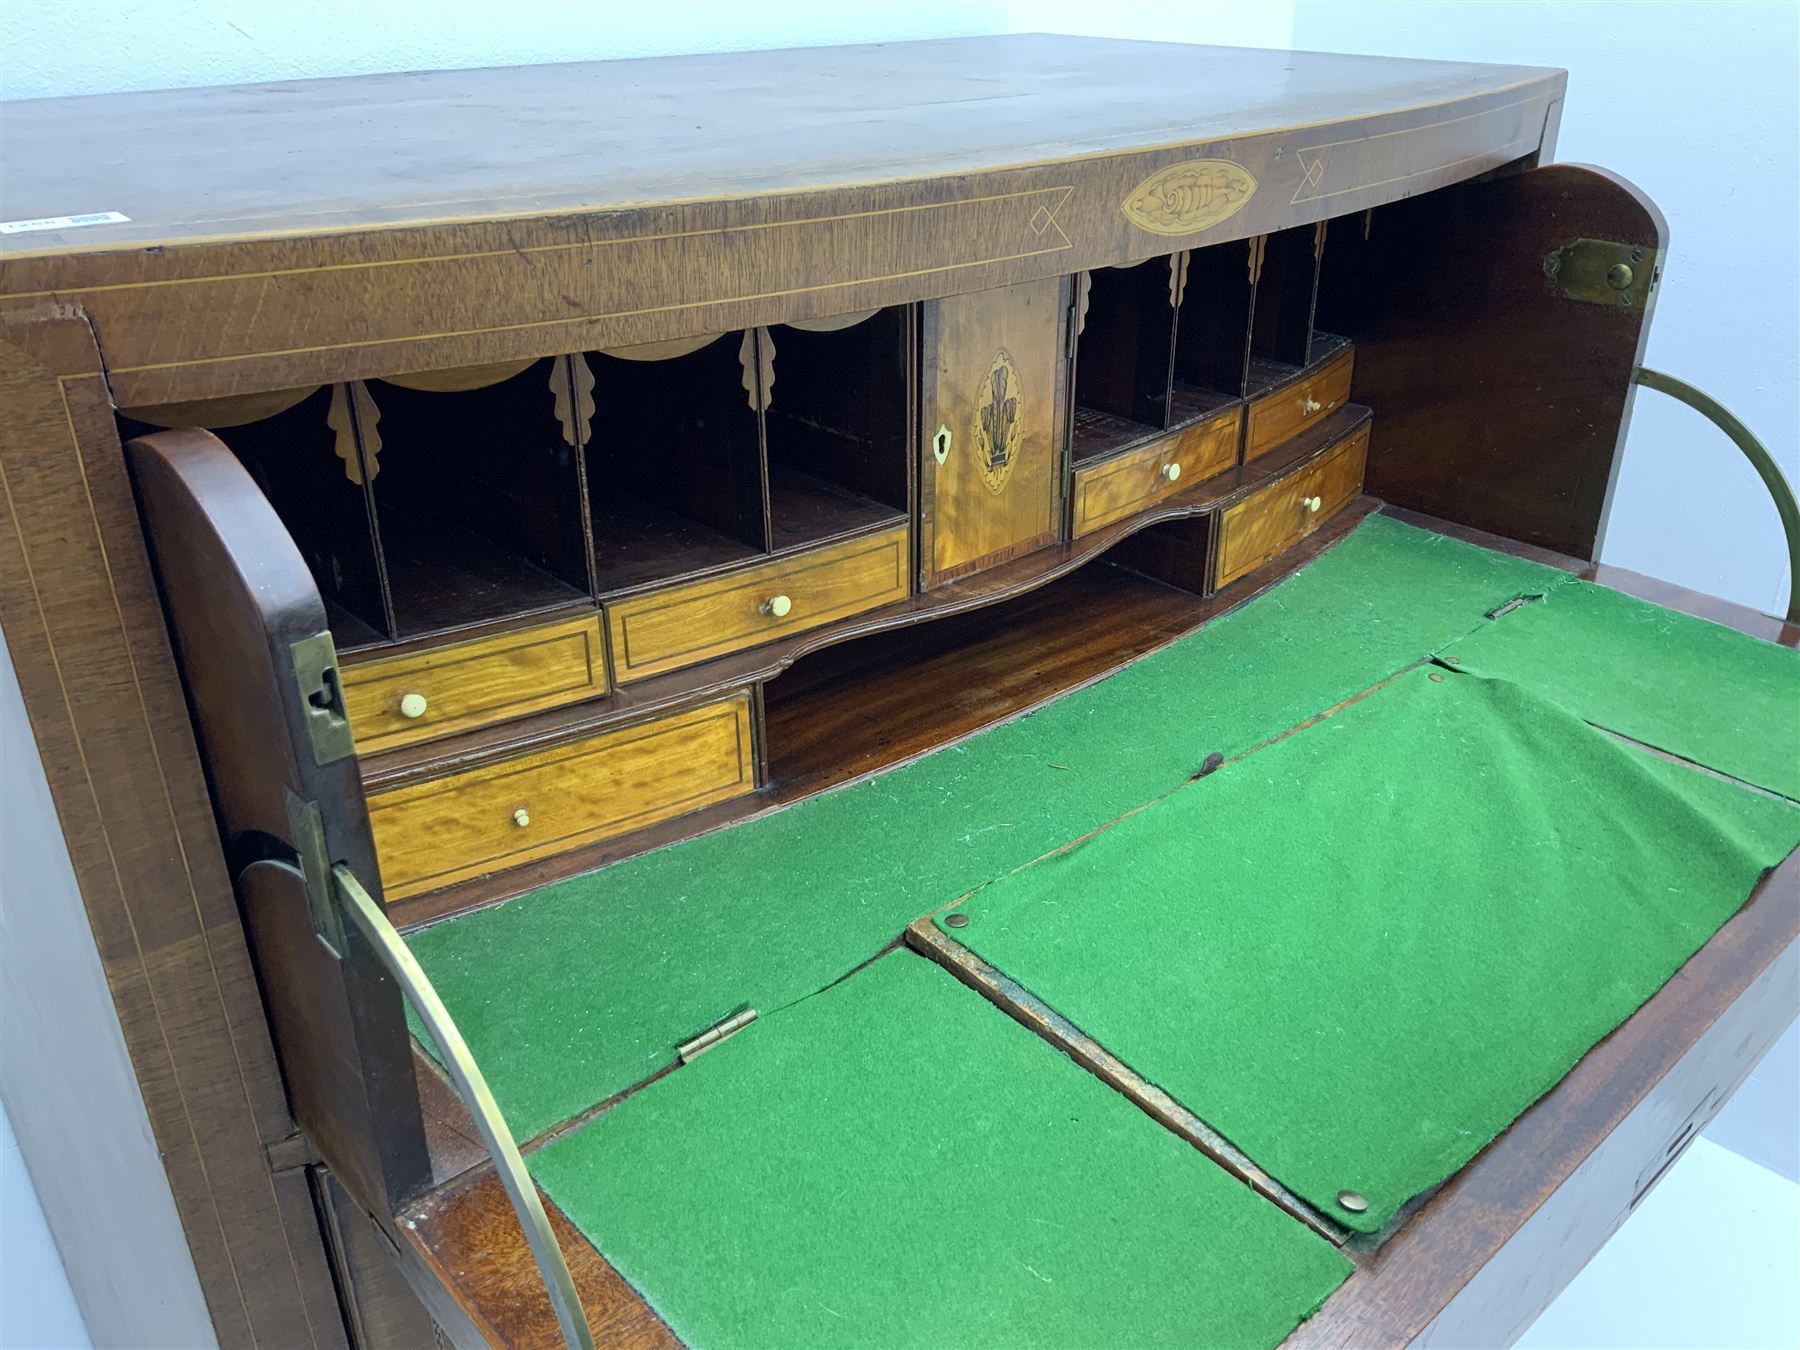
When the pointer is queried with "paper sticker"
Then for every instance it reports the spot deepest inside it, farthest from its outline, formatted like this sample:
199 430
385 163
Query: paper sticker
62 222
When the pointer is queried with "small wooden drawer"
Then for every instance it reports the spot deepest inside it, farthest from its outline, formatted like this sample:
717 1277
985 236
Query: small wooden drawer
1140 478
398 700
432 834
1282 514
1281 415
668 629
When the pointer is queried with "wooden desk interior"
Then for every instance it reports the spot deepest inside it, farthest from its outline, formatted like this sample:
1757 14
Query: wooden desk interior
507 514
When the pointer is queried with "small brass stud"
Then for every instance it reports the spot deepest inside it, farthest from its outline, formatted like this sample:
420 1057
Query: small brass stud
1353 1201
1620 275
956 920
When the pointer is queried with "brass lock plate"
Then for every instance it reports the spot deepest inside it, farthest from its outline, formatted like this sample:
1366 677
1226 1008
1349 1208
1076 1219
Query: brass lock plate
1600 272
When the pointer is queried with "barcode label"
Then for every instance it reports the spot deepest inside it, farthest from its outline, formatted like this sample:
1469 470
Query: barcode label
63 222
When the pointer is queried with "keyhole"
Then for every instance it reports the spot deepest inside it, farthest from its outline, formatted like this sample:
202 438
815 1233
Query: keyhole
940 445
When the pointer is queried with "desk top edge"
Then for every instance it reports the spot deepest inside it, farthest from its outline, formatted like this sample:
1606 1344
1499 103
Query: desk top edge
462 145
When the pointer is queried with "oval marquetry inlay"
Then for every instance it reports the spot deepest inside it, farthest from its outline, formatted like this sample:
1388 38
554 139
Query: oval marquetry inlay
1194 195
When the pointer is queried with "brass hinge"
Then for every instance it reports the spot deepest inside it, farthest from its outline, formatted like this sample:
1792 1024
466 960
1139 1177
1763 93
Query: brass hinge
322 698
308 828
714 1036
1599 272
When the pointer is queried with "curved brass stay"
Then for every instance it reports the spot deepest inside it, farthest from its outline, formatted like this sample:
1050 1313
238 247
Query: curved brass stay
362 909
1754 451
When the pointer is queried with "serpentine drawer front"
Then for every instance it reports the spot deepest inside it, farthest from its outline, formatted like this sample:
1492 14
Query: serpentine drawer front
666 629
1140 478
549 801
1277 416
399 700
1284 513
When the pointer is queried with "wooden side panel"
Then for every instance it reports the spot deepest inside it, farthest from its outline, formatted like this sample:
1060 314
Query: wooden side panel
502 815
1502 404
473 684
995 377
668 629
383 1311
84 629
239 596
1285 512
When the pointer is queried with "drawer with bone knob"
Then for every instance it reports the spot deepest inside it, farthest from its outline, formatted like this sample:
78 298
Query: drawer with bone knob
677 626
1274 518
1285 412
519 809
417 696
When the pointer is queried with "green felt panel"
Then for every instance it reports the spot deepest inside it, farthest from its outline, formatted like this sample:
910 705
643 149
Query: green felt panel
579 990
1687 686
1361 952
896 1163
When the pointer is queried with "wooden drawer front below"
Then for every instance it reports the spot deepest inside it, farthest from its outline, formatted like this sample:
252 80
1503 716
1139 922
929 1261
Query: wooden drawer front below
401 699
686 624
1281 415
1140 478
1285 512
432 834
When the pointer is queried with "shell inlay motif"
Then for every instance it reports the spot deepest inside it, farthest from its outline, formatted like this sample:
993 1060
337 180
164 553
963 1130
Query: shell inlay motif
1189 197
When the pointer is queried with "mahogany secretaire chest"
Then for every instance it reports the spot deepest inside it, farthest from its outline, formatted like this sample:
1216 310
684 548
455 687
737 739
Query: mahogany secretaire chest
424 489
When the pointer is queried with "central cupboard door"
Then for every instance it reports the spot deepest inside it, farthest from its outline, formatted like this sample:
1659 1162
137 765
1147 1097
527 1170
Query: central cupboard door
995 384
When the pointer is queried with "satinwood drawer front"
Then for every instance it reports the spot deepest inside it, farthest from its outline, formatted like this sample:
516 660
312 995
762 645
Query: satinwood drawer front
500 815
1140 478
667 629
398 700
1275 417
1285 512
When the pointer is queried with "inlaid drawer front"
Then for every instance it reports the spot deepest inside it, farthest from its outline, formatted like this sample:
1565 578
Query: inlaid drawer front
398 700
677 627
500 815
1285 512
1140 478
1276 417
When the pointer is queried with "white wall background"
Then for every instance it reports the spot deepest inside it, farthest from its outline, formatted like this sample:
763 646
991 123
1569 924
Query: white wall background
1695 102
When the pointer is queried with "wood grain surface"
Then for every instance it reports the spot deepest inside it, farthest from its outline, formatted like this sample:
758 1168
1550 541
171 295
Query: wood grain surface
994 385
445 830
309 263
475 683
683 625
1276 416
1122 486
1275 517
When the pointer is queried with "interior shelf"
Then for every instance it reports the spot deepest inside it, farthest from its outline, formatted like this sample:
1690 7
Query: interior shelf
805 510
477 496
443 576
837 426
1122 370
864 705
674 466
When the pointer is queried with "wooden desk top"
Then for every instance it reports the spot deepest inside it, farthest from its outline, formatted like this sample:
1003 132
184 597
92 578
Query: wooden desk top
283 235
313 156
